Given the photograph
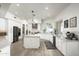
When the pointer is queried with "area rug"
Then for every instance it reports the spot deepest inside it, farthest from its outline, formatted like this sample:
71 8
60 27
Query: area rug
49 45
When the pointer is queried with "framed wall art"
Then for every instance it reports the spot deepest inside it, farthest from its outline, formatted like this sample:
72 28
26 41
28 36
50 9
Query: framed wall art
73 22
66 24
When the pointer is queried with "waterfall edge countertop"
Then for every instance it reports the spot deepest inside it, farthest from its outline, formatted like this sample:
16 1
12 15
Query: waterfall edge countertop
32 41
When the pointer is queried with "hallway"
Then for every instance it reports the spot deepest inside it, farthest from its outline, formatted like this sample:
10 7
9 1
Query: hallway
18 50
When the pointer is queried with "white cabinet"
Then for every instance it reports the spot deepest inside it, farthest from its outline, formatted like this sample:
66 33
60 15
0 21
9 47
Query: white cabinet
5 51
73 48
68 47
58 43
63 46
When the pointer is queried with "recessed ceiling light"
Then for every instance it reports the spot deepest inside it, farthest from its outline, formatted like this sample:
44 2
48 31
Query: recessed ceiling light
17 4
46 8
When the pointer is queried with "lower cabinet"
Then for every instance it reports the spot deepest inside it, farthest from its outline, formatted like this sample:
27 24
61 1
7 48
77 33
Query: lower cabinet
58 43
68 47
5 51
63 46
72 48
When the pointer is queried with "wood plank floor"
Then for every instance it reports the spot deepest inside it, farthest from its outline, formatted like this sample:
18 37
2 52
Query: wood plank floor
17 49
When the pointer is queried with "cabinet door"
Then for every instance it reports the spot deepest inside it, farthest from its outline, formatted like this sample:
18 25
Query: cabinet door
58 43
73 48
63 46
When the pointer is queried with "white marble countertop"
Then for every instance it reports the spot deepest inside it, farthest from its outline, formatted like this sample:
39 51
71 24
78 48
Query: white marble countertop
68 40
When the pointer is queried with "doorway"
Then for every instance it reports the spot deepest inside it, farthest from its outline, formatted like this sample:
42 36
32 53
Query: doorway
23 31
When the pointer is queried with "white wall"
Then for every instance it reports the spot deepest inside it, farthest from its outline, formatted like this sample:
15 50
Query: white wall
13 22
68 47
69 12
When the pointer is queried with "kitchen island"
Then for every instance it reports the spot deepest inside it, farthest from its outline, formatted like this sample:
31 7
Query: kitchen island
31 41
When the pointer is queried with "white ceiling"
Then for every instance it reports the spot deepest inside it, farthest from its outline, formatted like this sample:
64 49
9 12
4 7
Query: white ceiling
24 10
3 9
